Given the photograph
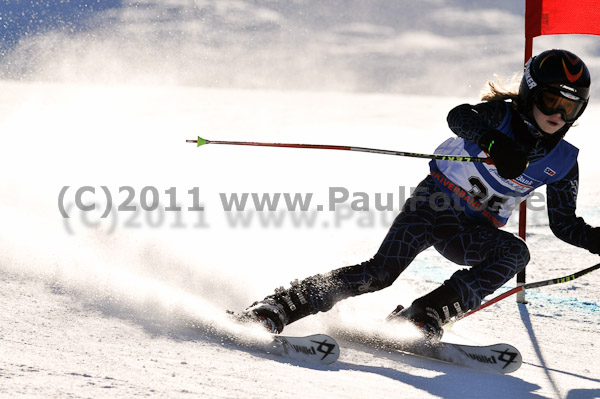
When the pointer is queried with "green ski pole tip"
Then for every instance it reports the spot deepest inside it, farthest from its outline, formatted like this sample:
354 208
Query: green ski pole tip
201 141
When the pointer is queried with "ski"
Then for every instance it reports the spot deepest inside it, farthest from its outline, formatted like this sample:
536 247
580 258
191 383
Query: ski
317 348
499 358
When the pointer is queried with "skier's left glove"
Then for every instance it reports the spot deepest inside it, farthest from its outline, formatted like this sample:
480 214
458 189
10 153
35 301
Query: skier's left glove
594 240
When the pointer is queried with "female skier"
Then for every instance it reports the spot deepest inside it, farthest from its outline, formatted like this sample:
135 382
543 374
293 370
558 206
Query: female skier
460 206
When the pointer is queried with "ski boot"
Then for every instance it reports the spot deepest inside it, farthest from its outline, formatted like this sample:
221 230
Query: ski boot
285 306
267 313
431 312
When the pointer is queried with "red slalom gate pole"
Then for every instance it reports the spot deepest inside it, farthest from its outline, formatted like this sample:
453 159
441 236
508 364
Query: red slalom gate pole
523 287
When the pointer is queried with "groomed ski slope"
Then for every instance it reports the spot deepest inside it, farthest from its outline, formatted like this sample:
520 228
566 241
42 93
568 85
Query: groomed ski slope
101 307
103 96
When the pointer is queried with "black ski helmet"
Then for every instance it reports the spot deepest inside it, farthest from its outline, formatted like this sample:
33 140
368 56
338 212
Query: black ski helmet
564 76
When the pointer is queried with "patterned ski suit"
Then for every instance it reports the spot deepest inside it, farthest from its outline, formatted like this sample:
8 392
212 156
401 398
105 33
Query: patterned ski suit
458 209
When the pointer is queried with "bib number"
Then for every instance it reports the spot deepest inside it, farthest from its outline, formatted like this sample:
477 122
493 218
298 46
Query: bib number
480 191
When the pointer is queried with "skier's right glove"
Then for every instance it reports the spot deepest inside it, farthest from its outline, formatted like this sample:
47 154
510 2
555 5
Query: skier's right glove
509 159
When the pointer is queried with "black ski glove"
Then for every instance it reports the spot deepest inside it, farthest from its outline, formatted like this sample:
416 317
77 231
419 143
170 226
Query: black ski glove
509 159
594 240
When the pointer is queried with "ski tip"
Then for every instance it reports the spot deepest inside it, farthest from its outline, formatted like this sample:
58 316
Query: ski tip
318 348
500 358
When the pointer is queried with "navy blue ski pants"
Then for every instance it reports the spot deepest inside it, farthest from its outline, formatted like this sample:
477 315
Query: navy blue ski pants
493 256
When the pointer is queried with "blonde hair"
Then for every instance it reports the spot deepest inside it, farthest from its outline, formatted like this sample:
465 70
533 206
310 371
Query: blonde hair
502 90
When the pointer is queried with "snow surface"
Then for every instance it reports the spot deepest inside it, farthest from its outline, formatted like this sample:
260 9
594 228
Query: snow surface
103 311
104 307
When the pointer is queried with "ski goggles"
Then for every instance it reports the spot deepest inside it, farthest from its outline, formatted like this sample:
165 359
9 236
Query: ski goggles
551 103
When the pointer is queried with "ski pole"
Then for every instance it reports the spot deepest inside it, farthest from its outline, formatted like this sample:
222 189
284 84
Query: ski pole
537 284
200 141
